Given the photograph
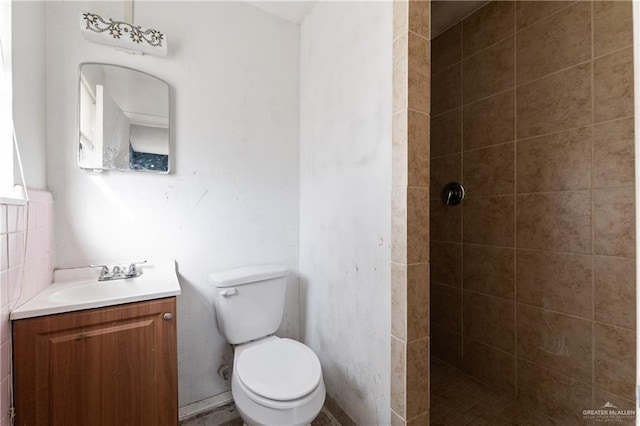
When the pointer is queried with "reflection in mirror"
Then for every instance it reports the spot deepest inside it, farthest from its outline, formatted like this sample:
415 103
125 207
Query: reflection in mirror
124 119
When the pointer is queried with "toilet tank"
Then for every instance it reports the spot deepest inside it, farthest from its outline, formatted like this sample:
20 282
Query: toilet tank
249 301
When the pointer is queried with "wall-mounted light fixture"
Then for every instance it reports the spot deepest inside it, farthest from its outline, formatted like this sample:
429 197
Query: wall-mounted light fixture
122 35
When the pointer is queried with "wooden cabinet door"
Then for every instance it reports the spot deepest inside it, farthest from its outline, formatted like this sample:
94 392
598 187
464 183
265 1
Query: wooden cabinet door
112 366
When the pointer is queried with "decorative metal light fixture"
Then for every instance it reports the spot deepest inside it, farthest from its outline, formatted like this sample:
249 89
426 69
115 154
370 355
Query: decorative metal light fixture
128 37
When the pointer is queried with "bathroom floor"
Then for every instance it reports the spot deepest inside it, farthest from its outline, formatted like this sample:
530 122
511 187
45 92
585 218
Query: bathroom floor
459 399
323 419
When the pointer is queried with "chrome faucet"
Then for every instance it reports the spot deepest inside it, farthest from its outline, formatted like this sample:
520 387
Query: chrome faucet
118 272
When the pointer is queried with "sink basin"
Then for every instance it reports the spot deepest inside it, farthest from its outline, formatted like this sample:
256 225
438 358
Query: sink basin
104 290
79 288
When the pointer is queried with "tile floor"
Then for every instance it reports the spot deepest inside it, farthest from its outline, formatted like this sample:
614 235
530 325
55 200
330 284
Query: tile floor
323 419
458 399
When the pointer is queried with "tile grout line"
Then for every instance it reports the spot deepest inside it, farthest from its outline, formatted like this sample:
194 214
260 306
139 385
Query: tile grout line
559 192
544 18
539 250
515 198
593 236
461 225
532 362
515 28
528 138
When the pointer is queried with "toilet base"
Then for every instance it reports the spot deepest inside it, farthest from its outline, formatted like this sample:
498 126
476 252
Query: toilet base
248 421
254 414
244 424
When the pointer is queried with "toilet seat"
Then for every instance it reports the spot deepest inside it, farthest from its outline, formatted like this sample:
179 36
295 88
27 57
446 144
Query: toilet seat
278 371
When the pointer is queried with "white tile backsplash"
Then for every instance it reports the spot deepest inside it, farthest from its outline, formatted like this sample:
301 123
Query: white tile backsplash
3 219
15 218
5 326
35 223
4 253
16 249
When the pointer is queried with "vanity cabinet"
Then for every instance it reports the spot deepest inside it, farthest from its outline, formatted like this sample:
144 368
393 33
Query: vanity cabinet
109 366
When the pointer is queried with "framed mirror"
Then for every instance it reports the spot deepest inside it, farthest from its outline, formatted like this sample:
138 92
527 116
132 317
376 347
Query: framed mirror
123 117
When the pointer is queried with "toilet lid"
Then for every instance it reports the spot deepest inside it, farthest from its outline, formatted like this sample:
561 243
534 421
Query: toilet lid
279 369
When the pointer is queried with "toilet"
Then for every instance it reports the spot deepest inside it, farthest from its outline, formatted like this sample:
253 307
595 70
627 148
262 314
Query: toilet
275 381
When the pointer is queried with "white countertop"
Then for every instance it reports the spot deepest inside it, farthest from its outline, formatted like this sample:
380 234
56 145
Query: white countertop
77 289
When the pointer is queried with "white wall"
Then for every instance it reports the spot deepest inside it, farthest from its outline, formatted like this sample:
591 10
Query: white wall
345 200
232 198
6 139
29 90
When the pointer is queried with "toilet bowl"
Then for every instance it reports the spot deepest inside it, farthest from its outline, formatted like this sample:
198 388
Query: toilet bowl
275 381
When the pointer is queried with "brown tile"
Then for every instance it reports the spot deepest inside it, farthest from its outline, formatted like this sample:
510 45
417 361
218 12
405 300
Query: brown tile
489 72
399 225
446 48
489 221
488 25
418 149
206 418
444 170
337 412
613 26
322 420
419 18
396 420
615 291
446 307
615 356
421 420
398 376
417 377
446 90
554 103
615 221
410 225
489 171
400 17
417 225
490 121
399 300
446 263
489 270
399 149
553 394
400 73
614 153
446 133
559 342
613 90
489 320
557 162
419 76
559 42
446 222
530 12
417 301
490 365
556 221
446 345
555 280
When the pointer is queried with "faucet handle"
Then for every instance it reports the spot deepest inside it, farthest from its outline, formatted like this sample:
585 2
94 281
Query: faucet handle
132 270
103 272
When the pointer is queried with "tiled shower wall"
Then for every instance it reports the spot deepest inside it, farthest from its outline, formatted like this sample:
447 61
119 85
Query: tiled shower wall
16 222
533 276
410 214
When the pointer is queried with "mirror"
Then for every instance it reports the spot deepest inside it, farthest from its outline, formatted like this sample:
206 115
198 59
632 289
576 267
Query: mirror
123 118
